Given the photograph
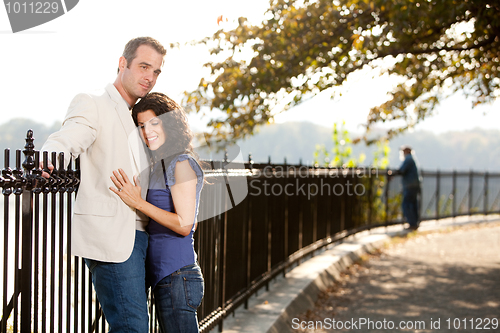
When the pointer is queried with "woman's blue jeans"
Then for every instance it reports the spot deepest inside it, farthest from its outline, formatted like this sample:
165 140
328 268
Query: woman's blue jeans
177 297
121 289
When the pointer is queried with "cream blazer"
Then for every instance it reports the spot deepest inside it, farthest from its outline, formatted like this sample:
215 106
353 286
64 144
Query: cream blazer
99 129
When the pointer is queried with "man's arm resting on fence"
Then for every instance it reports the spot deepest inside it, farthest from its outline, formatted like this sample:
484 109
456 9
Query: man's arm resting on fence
77 133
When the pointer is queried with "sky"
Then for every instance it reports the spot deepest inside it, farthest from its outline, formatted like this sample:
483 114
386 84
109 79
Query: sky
43 68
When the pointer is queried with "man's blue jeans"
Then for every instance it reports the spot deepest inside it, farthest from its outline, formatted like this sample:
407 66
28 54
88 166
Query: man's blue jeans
410 205
177 297
121 289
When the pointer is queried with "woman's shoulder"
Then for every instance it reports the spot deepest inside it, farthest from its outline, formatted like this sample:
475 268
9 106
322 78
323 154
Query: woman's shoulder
183 164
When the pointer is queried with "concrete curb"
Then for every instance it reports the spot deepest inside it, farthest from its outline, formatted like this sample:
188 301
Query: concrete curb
273 311
322 271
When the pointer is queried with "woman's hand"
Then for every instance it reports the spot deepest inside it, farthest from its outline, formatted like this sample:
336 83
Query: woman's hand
128 192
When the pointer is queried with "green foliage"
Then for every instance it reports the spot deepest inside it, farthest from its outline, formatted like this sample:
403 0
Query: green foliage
341 152
303 47
341 156
381 155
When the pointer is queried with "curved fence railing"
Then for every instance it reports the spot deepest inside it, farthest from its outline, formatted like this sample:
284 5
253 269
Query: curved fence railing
256 221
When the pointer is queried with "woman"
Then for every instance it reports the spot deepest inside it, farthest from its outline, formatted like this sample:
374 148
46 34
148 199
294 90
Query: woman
172 203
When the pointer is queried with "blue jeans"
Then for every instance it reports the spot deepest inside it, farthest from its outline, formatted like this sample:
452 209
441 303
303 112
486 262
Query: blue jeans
177 297
410 206
121 289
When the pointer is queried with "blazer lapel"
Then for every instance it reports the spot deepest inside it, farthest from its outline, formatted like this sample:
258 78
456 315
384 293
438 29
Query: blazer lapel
121 109
139 156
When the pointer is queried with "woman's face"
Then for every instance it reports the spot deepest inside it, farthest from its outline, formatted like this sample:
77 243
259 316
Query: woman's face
151 129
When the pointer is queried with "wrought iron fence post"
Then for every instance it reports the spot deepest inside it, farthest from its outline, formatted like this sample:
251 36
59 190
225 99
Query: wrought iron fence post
7 181
485 193
223 271
26 270
268 224
27 232
370 196
454 194
286 226
438 183
471 199
220 221
248 247
248 236
386 197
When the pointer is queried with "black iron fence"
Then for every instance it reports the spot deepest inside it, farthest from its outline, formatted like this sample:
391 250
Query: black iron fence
248 234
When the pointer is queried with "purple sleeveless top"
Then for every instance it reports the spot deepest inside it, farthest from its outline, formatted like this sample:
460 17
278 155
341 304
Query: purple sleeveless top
168 251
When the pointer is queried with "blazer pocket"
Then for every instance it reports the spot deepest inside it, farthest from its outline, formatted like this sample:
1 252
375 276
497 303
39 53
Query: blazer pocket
95 207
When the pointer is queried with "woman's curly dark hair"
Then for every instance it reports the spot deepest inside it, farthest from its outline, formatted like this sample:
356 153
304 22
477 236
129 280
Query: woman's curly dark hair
179 136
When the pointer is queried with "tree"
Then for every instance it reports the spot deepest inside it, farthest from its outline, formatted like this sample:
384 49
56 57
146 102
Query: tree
304 47
341 154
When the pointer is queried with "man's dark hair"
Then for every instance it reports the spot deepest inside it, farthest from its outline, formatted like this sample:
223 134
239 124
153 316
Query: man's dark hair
130 51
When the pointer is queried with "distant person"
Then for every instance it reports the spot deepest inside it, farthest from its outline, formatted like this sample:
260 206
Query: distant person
109 235
172 206
411 188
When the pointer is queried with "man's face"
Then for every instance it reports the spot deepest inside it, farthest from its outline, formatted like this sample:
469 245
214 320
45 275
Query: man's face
139 76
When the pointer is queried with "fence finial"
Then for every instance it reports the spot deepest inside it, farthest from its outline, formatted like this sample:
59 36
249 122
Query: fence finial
7 178
37 175
29 161
45 187
54 179
20 180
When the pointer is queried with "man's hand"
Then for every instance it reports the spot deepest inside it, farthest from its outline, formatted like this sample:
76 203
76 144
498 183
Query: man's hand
49 166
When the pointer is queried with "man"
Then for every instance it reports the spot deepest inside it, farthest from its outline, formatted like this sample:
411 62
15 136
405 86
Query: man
106 232
411 188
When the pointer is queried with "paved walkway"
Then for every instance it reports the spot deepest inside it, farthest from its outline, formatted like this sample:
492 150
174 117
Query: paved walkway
449 269
428 282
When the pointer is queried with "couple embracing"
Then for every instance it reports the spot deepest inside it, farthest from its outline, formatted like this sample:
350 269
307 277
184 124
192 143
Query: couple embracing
137 204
